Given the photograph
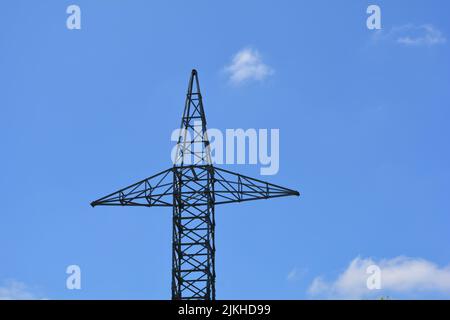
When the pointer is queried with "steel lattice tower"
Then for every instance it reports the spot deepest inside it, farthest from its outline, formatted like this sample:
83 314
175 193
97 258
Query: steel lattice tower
193 187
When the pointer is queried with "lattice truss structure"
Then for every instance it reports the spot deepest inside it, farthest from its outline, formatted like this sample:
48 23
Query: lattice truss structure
193 187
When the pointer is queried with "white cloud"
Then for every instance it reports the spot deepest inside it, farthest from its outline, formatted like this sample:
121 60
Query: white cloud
411 35
292 275
399 276
422 35
247 65
295 274
15 290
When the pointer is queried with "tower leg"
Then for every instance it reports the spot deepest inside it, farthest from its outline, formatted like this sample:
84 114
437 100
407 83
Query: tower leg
193 249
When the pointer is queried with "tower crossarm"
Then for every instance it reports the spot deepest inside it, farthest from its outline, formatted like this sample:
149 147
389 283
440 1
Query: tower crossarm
155 191
232 187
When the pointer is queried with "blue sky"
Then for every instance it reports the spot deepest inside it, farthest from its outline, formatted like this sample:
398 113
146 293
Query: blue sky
364 136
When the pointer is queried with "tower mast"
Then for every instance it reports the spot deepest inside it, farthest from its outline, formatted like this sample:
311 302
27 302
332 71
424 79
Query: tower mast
193 187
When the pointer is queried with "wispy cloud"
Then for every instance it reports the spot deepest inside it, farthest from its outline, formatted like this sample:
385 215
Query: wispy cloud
295 274
411 35
401 275
15 290
247 65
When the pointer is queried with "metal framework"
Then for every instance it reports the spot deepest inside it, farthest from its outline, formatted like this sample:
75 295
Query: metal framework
193 187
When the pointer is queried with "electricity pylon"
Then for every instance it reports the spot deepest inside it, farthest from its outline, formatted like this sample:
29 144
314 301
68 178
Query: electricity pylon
193 187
